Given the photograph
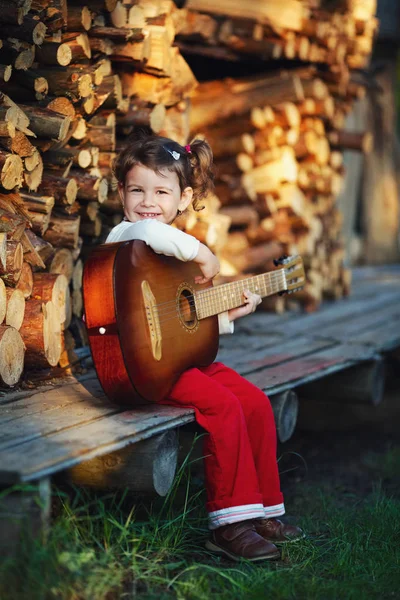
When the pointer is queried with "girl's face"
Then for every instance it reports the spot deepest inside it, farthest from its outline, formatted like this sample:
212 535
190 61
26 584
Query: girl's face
150 195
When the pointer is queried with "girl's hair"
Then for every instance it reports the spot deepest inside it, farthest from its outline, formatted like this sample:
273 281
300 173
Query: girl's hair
192 163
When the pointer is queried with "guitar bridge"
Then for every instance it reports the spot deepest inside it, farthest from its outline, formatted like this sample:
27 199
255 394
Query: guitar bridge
153 320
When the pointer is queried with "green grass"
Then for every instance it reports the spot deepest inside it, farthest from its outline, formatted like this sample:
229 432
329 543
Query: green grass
109 547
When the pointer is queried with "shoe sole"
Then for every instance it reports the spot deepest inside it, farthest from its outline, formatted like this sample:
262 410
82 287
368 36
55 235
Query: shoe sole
219 550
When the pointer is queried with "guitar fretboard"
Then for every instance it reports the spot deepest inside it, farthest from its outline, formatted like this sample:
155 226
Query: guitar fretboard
213 301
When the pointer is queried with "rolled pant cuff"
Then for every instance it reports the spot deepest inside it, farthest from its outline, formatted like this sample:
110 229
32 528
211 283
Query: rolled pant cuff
274 511
234 514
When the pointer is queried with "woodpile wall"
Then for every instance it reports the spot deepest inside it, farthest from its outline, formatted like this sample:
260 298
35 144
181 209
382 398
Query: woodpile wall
279 136
76 79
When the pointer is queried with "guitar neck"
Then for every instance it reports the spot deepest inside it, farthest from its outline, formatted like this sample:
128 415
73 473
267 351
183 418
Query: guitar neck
215 300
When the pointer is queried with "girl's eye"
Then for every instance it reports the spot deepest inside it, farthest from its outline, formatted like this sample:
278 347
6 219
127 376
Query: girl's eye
161 192
135 190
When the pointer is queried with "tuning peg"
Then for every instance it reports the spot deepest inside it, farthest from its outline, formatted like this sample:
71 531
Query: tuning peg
281 260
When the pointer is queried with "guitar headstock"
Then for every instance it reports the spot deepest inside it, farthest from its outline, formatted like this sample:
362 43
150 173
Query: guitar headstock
294 272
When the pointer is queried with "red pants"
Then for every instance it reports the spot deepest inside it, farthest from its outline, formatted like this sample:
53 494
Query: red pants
242 478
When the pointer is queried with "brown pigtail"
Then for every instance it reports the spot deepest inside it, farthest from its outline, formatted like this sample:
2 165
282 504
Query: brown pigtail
201 160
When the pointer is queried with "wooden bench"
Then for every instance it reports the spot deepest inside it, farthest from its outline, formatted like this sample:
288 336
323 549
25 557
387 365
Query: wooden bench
71 425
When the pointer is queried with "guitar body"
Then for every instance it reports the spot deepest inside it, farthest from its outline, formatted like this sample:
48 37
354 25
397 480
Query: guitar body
141 321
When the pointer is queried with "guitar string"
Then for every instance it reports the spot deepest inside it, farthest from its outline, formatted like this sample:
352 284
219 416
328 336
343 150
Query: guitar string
236 285
174 314
217 299
272 274
210 304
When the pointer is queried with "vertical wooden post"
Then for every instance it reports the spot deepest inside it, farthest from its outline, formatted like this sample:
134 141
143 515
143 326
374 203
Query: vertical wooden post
24 513
285 407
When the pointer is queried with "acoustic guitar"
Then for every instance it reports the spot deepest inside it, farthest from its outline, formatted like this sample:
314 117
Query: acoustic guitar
147 321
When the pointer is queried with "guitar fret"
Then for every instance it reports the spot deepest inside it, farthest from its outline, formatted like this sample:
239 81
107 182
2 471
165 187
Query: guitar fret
224 297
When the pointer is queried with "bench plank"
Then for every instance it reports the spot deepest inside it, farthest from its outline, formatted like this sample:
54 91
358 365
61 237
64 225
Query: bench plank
60 450
310 367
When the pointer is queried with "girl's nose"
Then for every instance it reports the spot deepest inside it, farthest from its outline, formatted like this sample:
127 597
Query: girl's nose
148 200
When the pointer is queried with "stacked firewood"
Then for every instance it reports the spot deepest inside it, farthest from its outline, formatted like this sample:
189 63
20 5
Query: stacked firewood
74 81
278 138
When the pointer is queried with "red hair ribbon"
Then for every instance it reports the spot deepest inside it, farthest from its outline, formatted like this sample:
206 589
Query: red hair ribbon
187 148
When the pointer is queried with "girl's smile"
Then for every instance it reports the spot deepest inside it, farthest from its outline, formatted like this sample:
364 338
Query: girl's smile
151 195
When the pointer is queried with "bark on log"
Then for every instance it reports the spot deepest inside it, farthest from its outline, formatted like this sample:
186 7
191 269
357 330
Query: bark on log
148 466
41 333
25 282
63 231
14 259
63 190
54 287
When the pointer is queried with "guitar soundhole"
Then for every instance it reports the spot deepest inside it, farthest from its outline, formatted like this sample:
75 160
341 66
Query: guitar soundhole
187 309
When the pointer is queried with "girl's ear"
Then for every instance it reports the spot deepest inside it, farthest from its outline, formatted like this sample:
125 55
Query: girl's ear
186 198
121 192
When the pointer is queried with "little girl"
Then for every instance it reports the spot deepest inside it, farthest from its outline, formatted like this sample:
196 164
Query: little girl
157 180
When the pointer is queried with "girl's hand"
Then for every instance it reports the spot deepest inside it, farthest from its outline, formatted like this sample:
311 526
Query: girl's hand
208 263
251 302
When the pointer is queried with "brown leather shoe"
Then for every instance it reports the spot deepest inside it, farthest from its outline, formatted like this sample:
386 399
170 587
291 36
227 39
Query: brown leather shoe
240 540
273 530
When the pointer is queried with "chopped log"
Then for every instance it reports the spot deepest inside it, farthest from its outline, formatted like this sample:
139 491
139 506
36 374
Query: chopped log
351 140
5 72
12 352
62 262
33 175
25 282
285 407
286 14
54 287
268 177
18 54
241 215
63 157
15 308
11 170
46 123
61 105
63 190
41 333
251 260
79 18
63 231
31 30
148 466
90 187
11 224
71 81
14 259
18 144
14 12
216 100
40 252
102 136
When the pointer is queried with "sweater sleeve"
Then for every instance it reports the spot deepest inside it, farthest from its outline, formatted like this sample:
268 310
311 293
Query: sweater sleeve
225 325
162 238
